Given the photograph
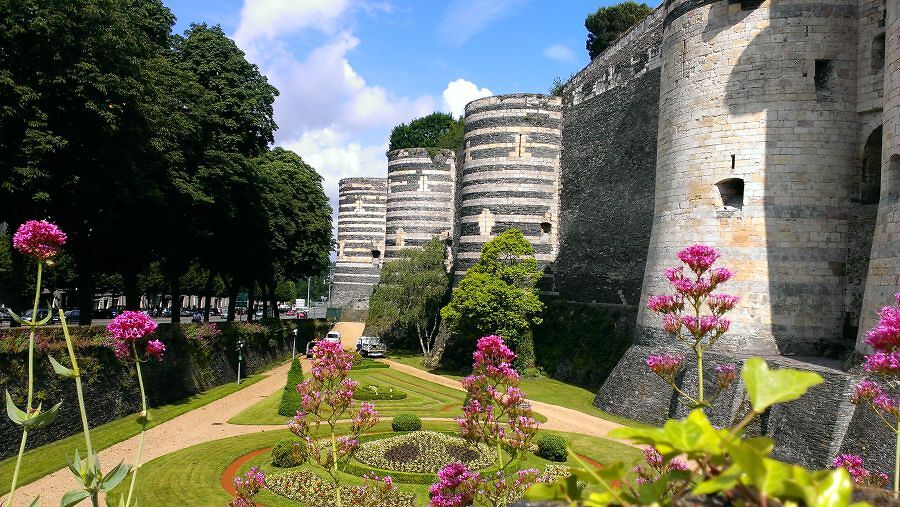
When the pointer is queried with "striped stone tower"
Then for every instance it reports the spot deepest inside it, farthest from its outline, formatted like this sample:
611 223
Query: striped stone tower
510 176
419 199
756 148
883 280
362 204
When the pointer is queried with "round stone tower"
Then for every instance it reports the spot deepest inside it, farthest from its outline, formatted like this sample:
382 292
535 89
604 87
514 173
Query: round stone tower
362 204
883 280
510 176
419 199
757 135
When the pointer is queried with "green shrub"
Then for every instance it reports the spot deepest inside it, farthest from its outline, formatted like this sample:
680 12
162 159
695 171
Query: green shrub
552 447
287 453
406 422
290 398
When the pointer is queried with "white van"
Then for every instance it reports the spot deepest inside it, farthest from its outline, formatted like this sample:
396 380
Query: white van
333 336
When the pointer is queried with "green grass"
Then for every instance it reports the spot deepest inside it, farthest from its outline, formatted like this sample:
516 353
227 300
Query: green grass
544 389
192 476
51 457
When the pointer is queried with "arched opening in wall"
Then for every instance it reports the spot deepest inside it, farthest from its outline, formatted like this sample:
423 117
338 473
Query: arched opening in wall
869 176
546 227
878 52
376 254
731 191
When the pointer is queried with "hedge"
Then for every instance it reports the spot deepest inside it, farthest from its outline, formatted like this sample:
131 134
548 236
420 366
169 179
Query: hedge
290 398
406 422
552 447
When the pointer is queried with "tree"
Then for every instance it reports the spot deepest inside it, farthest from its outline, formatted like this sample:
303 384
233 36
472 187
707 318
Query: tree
410 293
609 23
286 291
436 131
498 296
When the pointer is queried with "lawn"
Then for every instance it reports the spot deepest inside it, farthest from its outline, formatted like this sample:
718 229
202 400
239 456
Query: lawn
49 458
542 389
192 476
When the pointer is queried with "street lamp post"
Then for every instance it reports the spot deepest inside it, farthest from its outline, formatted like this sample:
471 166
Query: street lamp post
240 350
294 346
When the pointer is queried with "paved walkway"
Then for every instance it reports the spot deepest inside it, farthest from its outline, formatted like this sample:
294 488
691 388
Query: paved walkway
211 423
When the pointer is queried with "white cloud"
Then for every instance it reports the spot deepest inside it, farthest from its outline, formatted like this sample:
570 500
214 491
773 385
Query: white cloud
459 93
465 18
270 18
560 53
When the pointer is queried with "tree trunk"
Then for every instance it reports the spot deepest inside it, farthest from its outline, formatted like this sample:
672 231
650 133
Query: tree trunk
251 305
207 291
85 285
272 298
232 299
175 285
132 295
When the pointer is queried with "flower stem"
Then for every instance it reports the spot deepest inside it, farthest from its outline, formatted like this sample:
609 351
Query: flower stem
137 459
34 316
76 373
897 463
337 486
699 351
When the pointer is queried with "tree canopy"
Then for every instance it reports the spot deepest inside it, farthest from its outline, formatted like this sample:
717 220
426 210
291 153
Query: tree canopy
498 296
435 131
609 23
152 151
410 294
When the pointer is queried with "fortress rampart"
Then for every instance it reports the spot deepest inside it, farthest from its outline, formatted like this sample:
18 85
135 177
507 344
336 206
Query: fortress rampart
361 231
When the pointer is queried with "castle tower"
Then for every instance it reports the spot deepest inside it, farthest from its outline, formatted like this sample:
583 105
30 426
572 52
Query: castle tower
756 149
361 223
883 280
510 176
419 199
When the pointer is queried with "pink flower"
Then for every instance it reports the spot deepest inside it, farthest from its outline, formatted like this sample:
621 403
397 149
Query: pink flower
721 303
725 375
665 304
887 404
720 275
854 466
671 323
156 349
885 337
131 326
666 366
492 349
39 239
865 391
884 363
699 257
455 487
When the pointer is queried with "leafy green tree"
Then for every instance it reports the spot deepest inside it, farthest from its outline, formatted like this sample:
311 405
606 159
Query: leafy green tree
411 292
609 23
286 291
498 296
436 131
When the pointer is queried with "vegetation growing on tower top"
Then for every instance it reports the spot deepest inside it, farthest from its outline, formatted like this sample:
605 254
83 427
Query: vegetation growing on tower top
434 132
609 23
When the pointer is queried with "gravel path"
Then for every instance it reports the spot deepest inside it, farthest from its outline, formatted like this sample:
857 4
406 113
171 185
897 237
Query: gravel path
211 423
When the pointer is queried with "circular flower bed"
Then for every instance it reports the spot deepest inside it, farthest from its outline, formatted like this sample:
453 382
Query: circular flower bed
423 452
370 392
312 490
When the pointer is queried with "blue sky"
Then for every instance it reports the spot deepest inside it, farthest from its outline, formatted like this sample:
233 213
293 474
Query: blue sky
349 70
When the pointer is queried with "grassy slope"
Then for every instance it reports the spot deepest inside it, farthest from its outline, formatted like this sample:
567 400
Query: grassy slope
543 389
192 476
48 458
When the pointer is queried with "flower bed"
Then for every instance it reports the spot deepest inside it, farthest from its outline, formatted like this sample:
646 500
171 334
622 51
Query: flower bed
310 489
423 452
375 392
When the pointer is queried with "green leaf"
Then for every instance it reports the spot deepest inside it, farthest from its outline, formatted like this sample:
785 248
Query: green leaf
36 502
42 418
767 387
115 476
653 492
73 498
722 482
15 415
15 317
692 435
61 370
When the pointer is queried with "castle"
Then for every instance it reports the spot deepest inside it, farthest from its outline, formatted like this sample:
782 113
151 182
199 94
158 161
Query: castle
769 129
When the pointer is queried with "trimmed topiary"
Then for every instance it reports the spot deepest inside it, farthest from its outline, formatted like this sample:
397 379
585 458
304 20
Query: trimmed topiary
290 398
552 447
287 453
406 422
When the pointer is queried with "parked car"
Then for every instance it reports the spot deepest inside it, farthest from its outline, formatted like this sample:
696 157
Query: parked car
224 313
73 314
185 312
215 311
333 336
41 315
371 346
166 312
4 315
302 314
290 313
105 313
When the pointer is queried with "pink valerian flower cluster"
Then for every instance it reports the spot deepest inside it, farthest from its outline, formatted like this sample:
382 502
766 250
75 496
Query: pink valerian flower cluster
884 339
39 239
326 397
128 329
496 411
657 466
458 486
854 466
247 487
375 491
725 375
666 366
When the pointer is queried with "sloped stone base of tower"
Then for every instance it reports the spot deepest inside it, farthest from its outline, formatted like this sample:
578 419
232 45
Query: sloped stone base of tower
810 431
